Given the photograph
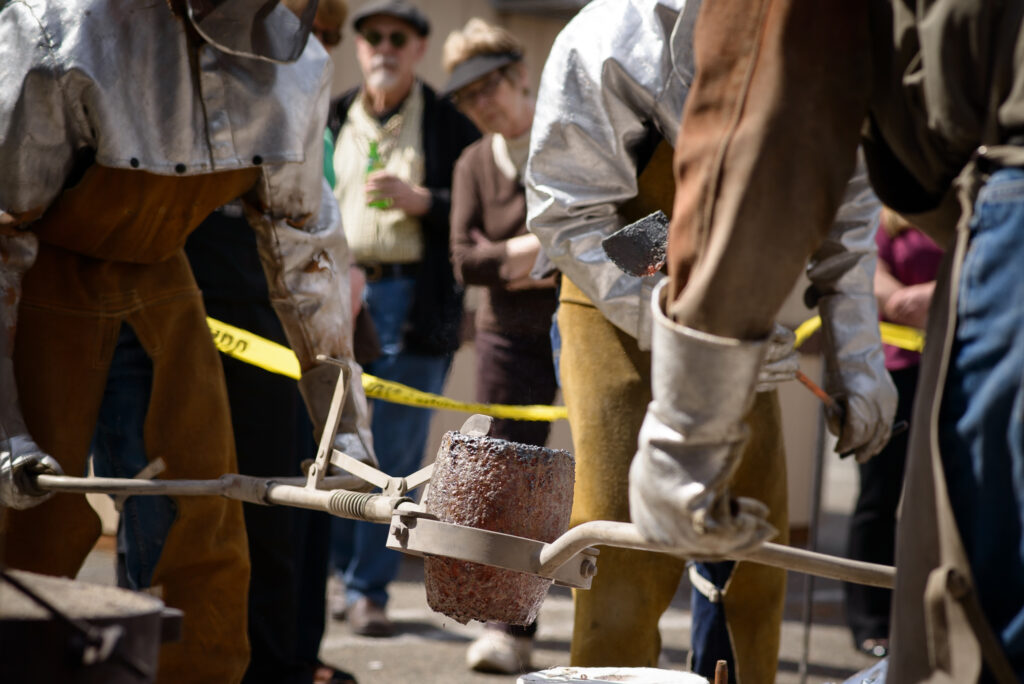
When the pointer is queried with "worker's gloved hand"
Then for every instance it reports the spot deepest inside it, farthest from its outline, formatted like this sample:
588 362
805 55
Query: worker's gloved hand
691 442
781 361
855 375
20 459
353 435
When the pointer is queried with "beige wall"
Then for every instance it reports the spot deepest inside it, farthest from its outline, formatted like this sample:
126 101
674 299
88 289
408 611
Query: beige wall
537 33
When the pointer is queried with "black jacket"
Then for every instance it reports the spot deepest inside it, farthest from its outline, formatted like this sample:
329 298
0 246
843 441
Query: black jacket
436 316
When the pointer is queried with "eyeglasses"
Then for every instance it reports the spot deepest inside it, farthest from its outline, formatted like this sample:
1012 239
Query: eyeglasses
465 98
398 39
330 37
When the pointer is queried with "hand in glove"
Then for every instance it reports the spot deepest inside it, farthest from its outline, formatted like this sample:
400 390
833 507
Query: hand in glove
855 375
353 437
691 442
20 459
781 361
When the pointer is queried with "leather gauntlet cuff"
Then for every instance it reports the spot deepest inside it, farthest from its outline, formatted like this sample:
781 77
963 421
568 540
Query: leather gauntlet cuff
691 441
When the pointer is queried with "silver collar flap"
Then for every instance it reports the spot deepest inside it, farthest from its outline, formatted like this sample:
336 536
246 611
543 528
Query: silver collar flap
263 29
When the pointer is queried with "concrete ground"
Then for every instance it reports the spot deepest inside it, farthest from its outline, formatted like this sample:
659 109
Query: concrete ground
430 648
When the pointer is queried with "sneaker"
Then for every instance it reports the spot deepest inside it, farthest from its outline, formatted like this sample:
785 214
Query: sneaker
368 619
337 601
497 651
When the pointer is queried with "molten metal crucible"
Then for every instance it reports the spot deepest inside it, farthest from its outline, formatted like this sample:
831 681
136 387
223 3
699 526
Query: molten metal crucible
491 484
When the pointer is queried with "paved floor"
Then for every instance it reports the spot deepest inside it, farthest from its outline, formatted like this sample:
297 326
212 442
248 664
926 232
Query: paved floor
430 648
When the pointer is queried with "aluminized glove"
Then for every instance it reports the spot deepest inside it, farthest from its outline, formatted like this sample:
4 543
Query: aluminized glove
781 361
691 442
354 437
855 375
842 271
20 457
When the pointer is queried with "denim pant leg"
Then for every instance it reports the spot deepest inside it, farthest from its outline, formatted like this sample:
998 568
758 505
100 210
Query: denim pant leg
118 450
981 426
709 637
399 438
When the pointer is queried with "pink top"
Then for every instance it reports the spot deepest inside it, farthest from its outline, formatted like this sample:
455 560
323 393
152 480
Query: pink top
913 258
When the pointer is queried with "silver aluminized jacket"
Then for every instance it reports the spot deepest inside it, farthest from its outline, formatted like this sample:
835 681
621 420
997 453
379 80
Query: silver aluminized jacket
599 92
116 77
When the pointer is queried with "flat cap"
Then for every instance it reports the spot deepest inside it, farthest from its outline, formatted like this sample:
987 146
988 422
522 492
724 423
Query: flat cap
399 9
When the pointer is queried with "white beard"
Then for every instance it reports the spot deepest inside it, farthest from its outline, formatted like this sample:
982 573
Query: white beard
382 79
383 73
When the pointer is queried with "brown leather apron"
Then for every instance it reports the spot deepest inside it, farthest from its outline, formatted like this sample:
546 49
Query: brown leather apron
111 253
939 633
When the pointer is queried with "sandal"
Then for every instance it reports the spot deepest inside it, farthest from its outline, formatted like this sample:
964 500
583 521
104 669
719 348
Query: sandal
878 648
325 674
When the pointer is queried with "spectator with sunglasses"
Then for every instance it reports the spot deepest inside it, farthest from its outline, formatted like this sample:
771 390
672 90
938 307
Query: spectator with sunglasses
395 216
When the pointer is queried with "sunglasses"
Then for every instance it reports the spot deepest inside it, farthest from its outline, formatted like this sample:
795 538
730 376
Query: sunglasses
465 98
398 39
328 36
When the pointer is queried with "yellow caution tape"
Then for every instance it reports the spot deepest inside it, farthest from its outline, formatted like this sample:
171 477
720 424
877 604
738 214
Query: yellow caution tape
259 351
271 356
403 394
900 336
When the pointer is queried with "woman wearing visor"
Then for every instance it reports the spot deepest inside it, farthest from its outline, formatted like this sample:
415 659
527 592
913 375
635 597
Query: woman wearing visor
491 248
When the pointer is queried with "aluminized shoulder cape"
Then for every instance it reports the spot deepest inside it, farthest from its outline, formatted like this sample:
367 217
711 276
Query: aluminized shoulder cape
119 78
610 75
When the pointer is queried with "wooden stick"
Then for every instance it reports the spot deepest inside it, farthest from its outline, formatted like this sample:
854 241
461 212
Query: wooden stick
721 672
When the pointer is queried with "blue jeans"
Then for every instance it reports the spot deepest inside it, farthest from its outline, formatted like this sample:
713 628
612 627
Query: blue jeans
981 420
118 450
709 635
400 432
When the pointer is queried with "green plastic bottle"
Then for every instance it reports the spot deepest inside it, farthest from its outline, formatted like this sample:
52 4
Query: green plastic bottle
373 163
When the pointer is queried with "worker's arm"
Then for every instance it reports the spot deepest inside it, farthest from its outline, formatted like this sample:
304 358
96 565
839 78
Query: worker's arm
609 83
842 273
37 137
306 261
767 145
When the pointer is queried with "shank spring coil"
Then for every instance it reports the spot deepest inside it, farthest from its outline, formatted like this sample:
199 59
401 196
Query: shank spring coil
349 504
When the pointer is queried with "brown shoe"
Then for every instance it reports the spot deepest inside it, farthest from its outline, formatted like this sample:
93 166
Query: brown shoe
368 619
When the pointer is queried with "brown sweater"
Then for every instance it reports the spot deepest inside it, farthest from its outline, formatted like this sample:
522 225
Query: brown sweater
485 202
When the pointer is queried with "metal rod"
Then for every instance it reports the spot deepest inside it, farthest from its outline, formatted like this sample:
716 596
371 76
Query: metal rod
286 491
817 479
626 535
119 486
379 508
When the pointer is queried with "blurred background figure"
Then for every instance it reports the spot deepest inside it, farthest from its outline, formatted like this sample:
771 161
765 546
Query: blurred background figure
489 83
288 547
396 144
908 261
